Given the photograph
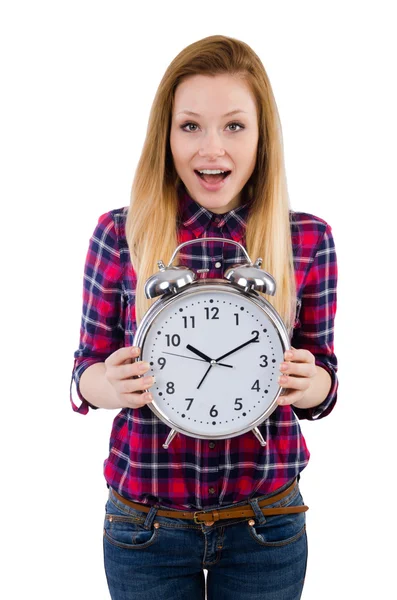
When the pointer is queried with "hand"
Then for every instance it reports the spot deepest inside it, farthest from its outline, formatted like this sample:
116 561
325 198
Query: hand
126 377
297 372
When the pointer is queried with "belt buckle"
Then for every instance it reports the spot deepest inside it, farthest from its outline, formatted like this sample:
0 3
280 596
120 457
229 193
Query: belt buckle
199 512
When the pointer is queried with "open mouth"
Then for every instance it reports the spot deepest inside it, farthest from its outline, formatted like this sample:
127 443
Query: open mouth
213 178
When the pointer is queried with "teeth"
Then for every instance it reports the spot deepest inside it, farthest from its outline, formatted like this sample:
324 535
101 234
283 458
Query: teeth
211 171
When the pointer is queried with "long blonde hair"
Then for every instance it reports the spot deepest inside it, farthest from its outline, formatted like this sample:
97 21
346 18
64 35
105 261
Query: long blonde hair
151 226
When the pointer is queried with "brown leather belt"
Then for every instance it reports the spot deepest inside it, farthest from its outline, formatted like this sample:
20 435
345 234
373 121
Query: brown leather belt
202 516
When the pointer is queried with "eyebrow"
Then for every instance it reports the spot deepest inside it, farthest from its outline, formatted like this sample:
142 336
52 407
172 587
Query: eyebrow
193 114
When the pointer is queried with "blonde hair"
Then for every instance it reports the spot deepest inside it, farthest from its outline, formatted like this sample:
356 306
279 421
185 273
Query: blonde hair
151 227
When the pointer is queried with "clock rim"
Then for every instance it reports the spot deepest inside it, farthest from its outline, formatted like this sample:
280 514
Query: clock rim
198 287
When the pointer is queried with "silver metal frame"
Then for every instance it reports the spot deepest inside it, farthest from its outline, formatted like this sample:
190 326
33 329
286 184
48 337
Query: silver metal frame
196 288
209 239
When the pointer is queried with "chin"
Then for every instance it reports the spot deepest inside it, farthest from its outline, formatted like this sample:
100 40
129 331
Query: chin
214 201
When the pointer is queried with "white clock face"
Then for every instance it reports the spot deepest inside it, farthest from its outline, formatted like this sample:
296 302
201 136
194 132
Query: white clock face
225 396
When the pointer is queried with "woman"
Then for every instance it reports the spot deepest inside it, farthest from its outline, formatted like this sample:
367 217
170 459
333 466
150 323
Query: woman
211 165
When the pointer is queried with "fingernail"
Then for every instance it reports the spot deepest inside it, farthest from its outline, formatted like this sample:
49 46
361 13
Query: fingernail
148 380
149 397
144 366
134 350
283 367
289 354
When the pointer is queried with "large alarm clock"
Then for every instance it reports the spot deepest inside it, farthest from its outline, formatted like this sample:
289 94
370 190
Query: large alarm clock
214 347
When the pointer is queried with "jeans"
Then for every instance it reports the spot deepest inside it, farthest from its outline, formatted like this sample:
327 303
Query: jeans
148 557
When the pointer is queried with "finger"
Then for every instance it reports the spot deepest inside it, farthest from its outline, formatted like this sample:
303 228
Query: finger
120 356
298 369
127 386
294 383
130 370
303 356
290 398
136 400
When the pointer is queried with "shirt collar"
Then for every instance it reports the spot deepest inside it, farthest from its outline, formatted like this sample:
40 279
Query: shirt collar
198 219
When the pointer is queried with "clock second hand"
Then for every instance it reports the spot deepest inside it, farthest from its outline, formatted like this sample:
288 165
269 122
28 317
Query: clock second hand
200 359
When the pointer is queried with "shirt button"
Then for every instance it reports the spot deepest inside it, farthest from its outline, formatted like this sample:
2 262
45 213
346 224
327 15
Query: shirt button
212 444
218 265
212 490
217 220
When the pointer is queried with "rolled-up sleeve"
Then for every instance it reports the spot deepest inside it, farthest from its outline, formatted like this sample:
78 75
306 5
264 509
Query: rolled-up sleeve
315 329
102 329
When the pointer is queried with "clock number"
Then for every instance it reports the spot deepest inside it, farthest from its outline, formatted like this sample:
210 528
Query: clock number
237 401
185 321
264 360
237 316
190 400
173 340
256 385
170 387
257 336
162 362
214 310
213 411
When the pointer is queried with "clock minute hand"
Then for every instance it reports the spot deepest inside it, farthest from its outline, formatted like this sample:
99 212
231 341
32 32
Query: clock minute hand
235 349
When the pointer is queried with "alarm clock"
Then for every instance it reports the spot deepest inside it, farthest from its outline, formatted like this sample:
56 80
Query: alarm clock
214 347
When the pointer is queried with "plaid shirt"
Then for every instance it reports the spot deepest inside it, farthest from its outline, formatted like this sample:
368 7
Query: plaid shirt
196 473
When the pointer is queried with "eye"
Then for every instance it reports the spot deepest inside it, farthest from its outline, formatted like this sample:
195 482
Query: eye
235 125
192 127
189 125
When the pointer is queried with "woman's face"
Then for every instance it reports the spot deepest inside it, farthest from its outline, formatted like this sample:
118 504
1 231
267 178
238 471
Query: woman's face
214 127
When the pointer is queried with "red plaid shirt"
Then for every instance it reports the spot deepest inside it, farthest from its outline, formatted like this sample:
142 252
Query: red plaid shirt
195 473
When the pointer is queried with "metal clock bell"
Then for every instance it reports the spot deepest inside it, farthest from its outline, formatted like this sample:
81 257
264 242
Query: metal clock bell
214 347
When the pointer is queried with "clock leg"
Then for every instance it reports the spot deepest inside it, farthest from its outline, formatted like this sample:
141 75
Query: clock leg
258 434
169 439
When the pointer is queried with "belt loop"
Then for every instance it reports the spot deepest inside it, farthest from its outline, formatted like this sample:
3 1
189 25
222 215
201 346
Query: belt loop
151 516
258 513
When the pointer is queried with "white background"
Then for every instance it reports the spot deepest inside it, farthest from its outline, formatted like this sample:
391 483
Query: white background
78 80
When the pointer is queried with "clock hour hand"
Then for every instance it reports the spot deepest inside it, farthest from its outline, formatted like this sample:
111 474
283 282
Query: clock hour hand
235 349
207 358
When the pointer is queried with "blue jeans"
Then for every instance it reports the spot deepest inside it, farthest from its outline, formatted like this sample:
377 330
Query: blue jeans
148 557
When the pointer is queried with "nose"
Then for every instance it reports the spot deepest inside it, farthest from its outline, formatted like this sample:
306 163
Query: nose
211 155
211 147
